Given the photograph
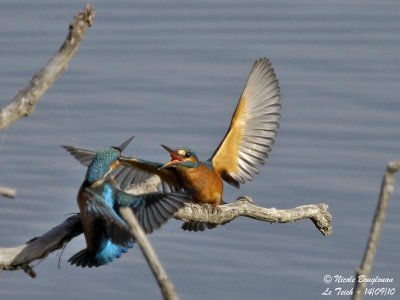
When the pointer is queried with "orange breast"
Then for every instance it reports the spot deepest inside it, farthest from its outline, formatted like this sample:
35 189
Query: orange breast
204 184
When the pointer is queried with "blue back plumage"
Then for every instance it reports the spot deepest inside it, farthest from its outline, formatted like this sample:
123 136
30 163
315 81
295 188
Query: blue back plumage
101 164
208 164
108 195
108 251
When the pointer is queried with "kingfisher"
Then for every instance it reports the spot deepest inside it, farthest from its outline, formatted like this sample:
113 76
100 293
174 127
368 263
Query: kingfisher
99 199
246 145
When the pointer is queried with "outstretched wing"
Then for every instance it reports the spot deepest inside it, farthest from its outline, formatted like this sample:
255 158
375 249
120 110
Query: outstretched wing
132 171
117 229
253 127
85 157
154 209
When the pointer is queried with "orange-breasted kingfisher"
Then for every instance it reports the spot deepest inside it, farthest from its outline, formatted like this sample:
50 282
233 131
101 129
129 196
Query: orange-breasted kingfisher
99 199
246 144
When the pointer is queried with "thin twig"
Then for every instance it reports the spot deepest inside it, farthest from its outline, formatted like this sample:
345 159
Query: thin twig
7 192
166 285
387 188
25 101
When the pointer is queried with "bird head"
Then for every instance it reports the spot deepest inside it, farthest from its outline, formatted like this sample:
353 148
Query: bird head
181 156
105 161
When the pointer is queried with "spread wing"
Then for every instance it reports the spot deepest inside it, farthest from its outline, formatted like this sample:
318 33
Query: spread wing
154 209
132 171
85 157
252 131
117 229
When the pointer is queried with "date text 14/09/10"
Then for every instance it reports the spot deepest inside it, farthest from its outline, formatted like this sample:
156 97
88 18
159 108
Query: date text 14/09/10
374 291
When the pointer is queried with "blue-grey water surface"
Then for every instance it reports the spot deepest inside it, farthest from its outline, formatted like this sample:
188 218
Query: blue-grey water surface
171 72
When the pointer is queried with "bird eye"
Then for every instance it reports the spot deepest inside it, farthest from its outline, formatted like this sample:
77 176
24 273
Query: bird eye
188 154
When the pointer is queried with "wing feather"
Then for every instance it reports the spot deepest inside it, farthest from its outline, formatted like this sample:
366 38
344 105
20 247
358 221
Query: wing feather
253 127
117 229
132 171
154 209
85 157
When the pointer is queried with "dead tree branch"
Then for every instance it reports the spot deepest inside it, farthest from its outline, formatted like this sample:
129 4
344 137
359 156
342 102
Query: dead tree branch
7 192
166 285
387 188
39 247
244 206
22 256
25 101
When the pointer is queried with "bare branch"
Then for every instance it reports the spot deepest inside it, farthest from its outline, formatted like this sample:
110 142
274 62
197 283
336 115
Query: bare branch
39 247
7 192
243 206
24 103
387 188
166 285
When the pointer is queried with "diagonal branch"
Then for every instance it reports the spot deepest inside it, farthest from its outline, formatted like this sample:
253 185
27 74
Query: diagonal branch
24 102
165 284
387 188
39 247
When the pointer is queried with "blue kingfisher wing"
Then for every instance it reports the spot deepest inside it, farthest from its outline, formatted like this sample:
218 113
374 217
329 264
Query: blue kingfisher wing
154 209
117 229
132 171
253 127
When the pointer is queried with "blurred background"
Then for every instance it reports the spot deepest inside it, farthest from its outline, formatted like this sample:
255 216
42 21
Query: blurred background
171 72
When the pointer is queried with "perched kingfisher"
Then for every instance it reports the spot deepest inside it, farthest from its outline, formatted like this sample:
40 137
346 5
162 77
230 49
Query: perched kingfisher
246 145
99 199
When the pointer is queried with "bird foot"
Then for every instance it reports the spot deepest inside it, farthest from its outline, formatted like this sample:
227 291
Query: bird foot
214 209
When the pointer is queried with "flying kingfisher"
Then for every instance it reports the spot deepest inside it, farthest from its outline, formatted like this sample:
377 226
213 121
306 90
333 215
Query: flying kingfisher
99 199
246 145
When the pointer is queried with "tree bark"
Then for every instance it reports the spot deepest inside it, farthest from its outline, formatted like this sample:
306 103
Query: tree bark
166 286
39 247
387 188
25 101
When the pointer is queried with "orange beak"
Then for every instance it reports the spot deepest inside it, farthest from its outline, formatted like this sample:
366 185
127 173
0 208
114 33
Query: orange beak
176 158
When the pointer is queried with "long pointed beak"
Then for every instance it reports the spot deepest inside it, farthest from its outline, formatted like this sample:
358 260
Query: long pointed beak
125 144
176 158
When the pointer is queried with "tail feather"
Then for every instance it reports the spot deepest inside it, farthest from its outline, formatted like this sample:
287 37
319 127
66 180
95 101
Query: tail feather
83 259
197 226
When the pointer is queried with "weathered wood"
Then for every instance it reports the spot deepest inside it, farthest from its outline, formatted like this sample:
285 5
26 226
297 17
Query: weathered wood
7 192
39 247
166 286
244 206
25 101
387 188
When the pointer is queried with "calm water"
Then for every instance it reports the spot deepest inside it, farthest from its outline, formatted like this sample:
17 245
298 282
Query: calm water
171 72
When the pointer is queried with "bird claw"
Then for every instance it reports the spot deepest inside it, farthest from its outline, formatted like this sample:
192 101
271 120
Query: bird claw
214 209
